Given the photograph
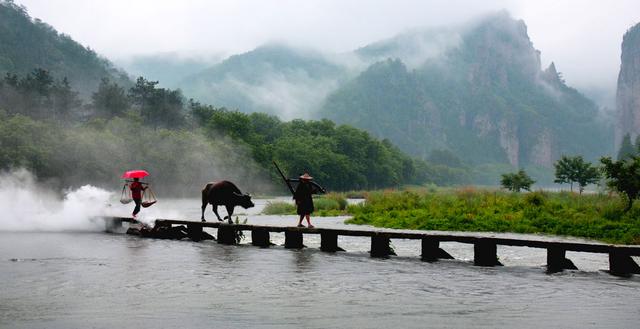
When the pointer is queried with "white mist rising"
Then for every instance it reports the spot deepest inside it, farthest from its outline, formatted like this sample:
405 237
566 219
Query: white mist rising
25 206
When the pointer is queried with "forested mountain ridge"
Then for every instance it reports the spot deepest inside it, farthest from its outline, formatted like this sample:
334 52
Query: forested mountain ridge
273 78
46 128
27 44
477 91
485 98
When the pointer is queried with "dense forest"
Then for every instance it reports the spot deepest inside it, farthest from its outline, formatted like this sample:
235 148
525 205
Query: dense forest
48 129
71 118
27 43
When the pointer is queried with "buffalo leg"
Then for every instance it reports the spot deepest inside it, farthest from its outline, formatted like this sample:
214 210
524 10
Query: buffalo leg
215 211
230 213
204 206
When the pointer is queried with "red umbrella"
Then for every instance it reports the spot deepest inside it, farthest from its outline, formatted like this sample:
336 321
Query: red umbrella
135 174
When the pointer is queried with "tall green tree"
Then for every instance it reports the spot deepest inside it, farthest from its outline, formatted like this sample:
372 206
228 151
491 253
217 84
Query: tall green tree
517 181
142 94
159 107
571 170
64 100
110 99
624 177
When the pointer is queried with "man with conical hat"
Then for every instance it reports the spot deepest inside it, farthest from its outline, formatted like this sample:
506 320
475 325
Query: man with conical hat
304 201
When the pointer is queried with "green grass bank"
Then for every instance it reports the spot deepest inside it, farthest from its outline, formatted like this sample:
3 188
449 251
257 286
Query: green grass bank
593 216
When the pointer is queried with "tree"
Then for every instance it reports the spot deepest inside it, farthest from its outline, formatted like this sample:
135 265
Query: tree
64 99
626 148
34 93
110 99
158 106
624 177
517 181
142 94
575 169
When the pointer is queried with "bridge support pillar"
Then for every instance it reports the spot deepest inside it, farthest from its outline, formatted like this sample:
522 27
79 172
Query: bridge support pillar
329 242
260 238
380 247
557 260
194 232
112 224
293 240
431 250
621 264
485 253
226 234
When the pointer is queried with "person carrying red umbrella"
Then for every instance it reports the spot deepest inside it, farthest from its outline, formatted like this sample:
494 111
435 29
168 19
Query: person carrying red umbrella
137 188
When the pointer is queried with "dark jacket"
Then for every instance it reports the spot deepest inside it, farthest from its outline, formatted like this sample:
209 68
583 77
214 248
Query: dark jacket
304 201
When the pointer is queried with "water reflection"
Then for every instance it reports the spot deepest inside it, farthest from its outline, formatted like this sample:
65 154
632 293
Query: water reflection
303 261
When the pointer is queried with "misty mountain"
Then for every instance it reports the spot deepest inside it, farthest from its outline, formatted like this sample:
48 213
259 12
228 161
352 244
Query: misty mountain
27 44
481 95
628 94
477 91
274 78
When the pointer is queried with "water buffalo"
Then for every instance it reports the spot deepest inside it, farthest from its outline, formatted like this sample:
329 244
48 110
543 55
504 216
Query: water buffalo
226 194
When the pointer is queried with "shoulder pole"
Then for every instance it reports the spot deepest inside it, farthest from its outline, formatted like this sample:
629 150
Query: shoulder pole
284 178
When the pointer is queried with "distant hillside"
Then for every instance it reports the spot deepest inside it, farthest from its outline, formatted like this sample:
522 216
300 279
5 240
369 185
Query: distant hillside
27 44
274 78
481 94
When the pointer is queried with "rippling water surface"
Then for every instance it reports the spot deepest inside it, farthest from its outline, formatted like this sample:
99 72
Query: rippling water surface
100 280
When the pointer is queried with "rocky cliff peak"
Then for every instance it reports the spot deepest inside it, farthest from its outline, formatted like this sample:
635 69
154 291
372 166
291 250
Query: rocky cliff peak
499 50
552 76
628 93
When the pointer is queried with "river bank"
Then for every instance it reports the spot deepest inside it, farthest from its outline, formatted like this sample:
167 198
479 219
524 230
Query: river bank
592 216
596 216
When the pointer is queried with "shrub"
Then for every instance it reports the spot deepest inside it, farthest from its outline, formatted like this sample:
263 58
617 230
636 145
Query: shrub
339 198
536 199
279 208
326 204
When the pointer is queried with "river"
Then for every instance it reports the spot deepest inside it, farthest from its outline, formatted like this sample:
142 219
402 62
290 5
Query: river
91 279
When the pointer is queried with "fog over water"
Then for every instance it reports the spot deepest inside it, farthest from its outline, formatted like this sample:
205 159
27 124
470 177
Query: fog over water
27 206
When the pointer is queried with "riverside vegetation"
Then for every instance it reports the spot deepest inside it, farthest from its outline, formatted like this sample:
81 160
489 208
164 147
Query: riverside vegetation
331 204
593 216
596 216
63 106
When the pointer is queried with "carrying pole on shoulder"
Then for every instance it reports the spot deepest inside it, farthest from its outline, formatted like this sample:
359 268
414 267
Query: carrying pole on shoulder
284 178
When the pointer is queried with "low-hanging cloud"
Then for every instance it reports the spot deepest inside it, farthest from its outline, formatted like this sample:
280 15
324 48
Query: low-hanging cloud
295 95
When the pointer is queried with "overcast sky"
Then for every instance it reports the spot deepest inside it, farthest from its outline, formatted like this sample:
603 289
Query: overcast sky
582 37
